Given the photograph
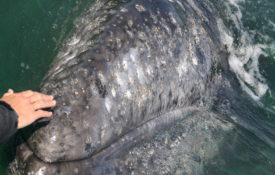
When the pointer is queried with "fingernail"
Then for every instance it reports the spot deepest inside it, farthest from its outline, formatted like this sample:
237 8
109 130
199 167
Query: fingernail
54 102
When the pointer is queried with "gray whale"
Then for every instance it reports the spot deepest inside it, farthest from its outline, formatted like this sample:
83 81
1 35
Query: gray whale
135 75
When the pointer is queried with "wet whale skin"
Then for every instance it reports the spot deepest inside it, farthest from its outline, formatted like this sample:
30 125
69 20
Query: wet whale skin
144 66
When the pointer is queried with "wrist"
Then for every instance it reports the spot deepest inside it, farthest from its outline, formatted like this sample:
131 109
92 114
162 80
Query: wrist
8 106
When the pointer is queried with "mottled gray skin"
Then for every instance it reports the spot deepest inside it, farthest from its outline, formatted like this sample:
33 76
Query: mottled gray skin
144 65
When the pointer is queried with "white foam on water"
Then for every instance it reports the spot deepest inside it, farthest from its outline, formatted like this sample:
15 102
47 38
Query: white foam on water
250 78
244 59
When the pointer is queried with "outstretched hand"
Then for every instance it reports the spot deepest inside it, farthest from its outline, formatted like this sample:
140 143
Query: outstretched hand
29 105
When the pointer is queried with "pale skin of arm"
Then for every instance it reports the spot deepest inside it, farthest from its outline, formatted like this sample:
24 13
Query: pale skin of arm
29 105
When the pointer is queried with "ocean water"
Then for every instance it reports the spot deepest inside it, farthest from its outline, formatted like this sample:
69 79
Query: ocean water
32 32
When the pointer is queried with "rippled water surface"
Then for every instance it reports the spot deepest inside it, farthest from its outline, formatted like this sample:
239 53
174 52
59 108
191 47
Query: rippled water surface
31 32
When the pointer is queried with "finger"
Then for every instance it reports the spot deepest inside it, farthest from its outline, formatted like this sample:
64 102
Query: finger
27 93
35 97
6 94
38 96
43 104
10 91
40 113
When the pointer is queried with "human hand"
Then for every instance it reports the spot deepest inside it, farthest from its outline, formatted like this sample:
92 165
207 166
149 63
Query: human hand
28 105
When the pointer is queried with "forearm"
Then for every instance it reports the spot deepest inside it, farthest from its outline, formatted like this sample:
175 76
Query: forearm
8 122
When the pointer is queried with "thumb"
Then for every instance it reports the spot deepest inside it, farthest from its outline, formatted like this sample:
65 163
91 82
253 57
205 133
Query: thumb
10 91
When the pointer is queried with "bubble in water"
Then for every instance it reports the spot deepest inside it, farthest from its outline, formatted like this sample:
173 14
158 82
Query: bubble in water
54 26
24 66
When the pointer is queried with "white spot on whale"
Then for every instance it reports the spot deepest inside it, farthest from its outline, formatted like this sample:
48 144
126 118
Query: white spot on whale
141 75
108 104
124 10
149 70
182 68
133 53
130 23
113 91
194 60
121 78
53 139
140 8
125 64
41 171
76 170
128 94
74 41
